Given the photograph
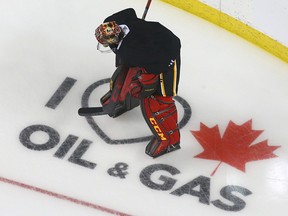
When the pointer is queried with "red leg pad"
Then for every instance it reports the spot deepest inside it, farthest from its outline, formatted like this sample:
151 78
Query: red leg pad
160 114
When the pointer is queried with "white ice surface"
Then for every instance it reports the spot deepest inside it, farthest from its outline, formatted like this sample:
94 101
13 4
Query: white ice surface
223 78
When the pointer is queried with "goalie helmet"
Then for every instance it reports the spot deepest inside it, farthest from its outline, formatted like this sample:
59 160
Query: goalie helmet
108 33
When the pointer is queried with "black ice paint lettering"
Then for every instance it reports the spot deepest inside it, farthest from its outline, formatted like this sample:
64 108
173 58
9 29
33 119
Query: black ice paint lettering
118 170
227 193
25 137
66 146
60 93
54 139
76 157
168 183
204 192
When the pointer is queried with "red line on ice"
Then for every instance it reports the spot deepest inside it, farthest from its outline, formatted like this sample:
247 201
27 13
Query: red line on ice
62 197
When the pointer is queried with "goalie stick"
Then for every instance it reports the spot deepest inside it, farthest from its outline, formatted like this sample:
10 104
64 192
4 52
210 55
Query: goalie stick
91 111
146 9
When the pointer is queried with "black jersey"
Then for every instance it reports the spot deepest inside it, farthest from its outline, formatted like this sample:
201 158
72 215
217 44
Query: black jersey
148 44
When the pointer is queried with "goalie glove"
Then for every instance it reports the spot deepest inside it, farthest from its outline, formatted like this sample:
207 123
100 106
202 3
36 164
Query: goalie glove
143 84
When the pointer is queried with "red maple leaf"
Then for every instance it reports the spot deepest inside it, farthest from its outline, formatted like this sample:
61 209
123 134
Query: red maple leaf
234 148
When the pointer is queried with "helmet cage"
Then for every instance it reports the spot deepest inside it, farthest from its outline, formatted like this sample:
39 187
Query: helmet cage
108 33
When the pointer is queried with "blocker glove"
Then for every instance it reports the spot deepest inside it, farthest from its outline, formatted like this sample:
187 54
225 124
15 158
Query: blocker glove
143 84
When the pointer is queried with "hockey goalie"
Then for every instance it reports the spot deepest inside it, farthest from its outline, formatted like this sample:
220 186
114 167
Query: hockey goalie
147 74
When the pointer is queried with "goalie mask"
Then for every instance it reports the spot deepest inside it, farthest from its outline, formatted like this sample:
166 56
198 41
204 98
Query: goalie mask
108 33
